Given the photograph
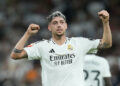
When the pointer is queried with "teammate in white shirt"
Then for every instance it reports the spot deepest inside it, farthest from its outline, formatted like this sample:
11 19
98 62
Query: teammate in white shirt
97 71
61 57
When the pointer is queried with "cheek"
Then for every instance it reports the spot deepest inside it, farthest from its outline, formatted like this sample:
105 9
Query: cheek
50 28
65 27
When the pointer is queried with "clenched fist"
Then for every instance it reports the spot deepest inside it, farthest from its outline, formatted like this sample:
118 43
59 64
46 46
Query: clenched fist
104 16
33 29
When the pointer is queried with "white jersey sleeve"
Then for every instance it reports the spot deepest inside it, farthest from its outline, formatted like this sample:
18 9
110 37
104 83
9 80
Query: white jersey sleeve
89 45
106 69
33 51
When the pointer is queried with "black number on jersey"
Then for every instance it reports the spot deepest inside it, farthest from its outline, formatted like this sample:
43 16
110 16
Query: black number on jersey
96 72
86 74
96 77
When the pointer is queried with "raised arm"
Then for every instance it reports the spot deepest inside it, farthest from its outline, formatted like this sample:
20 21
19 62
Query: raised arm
106 41
18 51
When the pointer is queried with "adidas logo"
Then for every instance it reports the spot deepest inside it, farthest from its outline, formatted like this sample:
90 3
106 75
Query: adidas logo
51 51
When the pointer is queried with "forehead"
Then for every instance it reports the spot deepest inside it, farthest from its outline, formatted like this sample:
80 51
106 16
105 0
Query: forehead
57 19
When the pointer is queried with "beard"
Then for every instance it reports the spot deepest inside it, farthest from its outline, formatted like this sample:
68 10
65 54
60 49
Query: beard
60 34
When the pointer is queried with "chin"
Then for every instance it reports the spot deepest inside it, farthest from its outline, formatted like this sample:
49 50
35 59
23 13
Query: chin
61 34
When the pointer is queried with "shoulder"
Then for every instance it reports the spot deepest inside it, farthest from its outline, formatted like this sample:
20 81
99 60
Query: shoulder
37 43
96 58
79 39
41 41
83 39
100 59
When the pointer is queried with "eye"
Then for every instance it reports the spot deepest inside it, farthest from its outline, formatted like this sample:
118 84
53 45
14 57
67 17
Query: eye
62 22
54 22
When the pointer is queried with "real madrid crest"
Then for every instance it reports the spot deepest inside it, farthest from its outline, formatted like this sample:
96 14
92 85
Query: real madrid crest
70 47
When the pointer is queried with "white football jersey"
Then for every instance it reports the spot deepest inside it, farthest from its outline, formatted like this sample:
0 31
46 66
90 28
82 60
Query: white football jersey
95 69
62 65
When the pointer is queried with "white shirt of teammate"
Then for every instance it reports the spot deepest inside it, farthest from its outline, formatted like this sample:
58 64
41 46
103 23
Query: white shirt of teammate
62 65
95 69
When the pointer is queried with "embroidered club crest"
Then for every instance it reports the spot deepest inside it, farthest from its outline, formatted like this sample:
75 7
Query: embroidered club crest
70 47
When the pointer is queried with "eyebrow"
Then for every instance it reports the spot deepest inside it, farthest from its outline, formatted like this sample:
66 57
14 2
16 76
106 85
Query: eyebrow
59 20
62 20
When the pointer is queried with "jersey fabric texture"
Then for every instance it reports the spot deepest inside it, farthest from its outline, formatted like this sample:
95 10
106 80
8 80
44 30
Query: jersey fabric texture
95 69
62 65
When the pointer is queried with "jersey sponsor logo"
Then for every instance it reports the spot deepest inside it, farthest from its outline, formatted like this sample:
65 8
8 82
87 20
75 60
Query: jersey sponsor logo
52 51
62 59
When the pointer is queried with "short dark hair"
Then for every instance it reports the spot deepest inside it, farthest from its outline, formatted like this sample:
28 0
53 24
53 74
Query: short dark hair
55 14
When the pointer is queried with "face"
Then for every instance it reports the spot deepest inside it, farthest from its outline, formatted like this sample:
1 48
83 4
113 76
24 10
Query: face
58 26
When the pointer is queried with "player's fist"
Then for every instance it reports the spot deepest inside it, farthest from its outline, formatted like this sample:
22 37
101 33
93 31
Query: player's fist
33 29
104 16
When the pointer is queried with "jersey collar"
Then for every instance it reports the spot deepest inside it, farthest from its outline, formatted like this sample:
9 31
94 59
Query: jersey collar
63 43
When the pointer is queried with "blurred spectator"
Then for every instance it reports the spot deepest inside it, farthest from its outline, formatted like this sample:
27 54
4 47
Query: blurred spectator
33 77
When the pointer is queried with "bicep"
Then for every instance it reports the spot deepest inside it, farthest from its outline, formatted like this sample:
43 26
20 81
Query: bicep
24 54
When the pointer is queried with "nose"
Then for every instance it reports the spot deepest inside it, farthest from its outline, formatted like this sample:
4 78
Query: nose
59 25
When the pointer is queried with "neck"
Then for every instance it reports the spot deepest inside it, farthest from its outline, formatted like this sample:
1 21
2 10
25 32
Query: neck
59 39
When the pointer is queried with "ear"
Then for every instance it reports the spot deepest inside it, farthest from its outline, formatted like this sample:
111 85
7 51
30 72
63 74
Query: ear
49 28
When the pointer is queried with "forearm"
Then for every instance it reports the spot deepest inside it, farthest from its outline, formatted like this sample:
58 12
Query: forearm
106 41
18 51
107 36
21 43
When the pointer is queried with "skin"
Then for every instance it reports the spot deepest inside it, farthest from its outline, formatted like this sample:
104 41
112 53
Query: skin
106 41
107 81
58 27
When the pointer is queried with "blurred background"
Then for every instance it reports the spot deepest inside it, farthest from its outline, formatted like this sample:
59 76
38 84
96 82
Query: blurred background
16 15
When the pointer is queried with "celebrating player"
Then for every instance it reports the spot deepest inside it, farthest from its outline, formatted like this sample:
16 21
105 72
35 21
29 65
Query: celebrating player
61 57
97 71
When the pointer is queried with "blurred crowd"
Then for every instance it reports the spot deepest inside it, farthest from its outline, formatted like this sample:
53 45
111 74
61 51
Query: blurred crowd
82 19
